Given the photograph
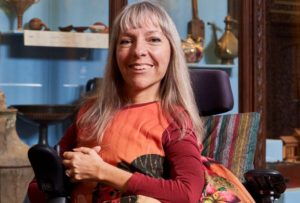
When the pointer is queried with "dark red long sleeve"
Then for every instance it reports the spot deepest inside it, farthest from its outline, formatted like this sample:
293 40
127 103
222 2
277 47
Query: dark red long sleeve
68 141
186 173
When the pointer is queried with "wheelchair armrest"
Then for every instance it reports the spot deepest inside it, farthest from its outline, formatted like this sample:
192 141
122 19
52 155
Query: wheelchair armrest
265 185
49 171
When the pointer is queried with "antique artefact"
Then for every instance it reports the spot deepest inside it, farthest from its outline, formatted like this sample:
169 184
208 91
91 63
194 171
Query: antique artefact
15 169
99 27
227 46
196 25
290 144
67 28
37 24
20 6
193 50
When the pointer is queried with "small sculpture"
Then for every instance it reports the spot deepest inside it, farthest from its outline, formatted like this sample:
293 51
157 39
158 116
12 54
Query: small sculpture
290 144
37 24
196 27
227 45
193 51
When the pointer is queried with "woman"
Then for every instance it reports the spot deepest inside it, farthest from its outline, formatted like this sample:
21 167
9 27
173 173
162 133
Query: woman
143 115
138 139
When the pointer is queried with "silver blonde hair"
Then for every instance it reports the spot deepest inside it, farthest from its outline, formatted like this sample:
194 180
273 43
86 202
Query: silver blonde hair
175 89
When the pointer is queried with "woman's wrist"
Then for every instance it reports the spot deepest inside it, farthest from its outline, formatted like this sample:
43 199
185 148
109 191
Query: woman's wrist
113 176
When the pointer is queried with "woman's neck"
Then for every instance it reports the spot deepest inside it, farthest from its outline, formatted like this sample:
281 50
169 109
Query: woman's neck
139 97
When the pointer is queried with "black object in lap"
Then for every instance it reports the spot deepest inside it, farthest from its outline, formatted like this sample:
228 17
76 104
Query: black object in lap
49 172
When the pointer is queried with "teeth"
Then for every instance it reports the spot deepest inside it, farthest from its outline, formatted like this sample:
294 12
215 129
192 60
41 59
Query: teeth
140 67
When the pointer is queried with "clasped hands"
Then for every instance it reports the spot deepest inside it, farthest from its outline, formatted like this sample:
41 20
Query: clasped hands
83 163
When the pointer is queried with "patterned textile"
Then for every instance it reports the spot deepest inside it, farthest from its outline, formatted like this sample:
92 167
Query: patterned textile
231 140
221 185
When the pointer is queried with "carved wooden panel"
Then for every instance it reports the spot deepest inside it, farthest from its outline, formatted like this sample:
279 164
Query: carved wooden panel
283 72
252 70
283 99
269 66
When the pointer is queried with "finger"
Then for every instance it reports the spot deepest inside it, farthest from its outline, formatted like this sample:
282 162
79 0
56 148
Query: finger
68 155
66 163
84 150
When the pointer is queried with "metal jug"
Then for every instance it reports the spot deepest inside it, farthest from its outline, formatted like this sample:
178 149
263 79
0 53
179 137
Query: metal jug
227 46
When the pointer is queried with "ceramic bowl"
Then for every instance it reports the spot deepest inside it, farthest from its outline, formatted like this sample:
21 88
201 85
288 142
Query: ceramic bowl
80 28
36 24
97 28
66 29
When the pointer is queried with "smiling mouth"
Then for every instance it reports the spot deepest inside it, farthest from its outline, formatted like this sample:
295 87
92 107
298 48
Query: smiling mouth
140 67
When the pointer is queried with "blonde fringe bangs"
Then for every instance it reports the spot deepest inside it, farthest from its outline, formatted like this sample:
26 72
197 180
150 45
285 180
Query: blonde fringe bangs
143 15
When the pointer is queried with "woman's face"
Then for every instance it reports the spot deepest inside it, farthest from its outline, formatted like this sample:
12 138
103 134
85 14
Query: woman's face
143 56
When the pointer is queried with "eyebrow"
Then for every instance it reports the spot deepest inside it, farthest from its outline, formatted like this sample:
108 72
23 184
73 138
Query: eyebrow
147 33
153 31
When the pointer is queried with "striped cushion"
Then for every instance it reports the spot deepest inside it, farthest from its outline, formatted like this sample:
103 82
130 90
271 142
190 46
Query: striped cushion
231 140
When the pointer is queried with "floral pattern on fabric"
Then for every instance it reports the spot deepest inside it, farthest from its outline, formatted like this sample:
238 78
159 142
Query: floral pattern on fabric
217 188
218 193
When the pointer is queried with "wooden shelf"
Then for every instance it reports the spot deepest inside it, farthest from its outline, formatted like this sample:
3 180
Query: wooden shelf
211 66
65 39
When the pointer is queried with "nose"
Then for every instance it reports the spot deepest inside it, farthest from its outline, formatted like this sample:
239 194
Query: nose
140 49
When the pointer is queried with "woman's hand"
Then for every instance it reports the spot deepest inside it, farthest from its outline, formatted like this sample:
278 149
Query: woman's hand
83 163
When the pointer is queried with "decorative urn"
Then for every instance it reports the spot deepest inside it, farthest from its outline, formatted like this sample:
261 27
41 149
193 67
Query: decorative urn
193 50
15 169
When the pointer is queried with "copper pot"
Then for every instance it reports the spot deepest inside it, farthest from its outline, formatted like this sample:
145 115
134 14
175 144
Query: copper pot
37 24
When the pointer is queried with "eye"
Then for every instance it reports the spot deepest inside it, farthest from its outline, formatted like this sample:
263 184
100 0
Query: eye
155 39
125 42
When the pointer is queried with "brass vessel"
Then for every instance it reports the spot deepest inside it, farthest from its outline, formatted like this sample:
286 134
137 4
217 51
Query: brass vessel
193 50
227 46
